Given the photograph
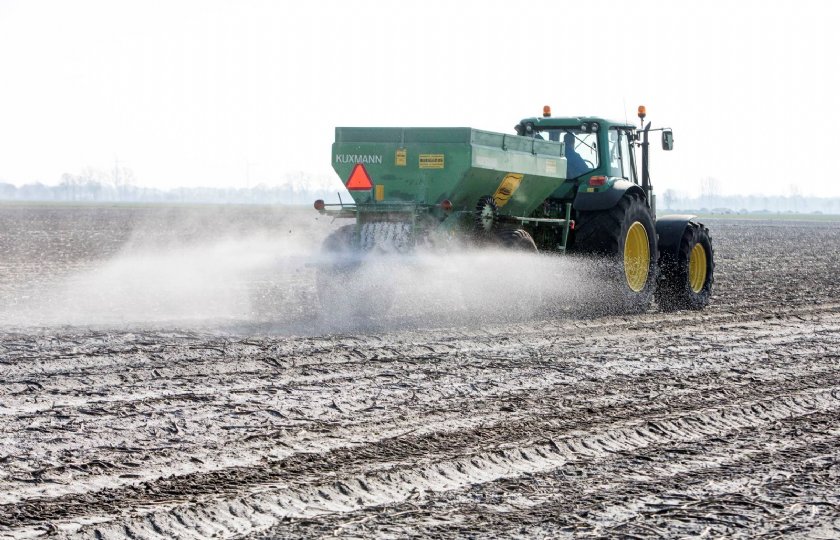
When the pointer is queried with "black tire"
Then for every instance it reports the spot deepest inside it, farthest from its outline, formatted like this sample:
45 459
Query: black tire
342 288
602 235
517 239
675 283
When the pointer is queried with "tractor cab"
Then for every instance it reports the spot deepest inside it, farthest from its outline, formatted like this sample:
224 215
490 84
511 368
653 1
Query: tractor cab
600 153
593 146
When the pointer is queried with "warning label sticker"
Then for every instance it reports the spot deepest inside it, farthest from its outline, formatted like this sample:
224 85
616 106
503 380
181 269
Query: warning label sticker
400 157
551 166
431 161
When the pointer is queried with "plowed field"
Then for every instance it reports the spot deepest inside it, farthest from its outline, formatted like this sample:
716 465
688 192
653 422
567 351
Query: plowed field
168 373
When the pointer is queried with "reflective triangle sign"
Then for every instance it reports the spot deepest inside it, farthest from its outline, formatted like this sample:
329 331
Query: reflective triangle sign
359 179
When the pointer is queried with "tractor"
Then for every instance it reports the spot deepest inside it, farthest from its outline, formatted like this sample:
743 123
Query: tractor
559 185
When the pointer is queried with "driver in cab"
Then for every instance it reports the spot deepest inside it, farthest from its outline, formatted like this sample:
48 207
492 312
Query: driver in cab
575 166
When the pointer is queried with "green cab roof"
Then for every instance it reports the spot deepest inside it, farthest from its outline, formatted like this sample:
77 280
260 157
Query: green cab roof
571 121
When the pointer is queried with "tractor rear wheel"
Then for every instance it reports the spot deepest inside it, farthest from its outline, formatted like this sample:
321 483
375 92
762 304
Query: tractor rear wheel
623 240
686 281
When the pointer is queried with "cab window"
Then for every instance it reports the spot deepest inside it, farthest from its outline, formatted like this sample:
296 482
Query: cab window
581 148
621 155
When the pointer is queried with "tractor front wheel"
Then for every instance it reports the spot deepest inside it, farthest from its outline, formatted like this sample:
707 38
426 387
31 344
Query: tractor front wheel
686 281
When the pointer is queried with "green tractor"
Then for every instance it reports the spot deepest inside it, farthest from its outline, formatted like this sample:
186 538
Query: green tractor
559 185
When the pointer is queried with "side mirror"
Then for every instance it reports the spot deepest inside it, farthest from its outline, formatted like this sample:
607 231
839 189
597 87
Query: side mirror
667 139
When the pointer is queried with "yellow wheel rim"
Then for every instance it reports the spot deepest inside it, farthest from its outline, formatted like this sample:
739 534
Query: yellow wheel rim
697 268
636 257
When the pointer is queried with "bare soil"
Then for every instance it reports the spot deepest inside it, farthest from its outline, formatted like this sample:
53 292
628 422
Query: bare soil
235 420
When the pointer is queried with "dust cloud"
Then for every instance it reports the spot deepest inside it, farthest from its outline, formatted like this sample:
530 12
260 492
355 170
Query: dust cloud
476 286
266 276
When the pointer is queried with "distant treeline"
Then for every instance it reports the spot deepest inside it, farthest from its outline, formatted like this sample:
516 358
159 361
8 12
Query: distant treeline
747 204
94 191
73 189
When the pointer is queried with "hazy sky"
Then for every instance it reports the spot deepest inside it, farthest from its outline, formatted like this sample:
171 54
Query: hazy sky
189 93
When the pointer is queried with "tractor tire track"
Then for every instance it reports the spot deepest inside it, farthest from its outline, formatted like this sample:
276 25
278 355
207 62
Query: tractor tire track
477 404
730 486
295 488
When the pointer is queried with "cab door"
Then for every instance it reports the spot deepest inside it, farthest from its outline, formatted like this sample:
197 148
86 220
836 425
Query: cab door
622 155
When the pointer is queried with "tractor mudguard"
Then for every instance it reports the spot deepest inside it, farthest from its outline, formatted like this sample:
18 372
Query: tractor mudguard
670 230
605 200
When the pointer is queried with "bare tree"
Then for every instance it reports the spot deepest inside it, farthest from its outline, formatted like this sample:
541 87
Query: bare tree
670 197
795 196
123 179
68 187
709 190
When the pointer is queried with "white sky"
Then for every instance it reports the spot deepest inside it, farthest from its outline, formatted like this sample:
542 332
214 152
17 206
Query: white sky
189 93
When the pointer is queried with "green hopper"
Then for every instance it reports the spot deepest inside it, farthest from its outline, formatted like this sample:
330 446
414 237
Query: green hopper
423 167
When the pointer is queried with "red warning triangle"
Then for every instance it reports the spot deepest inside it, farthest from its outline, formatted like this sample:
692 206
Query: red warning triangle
359 179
